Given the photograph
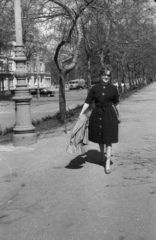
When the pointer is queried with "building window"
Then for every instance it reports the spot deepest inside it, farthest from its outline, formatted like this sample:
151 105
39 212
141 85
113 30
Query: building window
10 66
10 51
35 81
28 81
34 67
41 81
1 51
28 67
1 66
41 67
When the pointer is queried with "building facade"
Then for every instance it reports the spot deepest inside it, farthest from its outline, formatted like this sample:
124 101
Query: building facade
36 77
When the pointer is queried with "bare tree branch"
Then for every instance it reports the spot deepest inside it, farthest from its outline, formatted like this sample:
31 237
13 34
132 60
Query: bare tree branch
67 9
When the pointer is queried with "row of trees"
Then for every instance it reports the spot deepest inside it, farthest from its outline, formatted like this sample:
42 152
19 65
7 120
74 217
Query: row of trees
80 36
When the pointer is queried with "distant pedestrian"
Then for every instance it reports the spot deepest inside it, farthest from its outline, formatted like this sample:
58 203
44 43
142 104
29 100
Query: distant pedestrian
122 87
104 119
116 85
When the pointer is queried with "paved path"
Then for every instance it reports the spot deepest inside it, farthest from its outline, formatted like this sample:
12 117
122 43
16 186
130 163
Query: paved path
47 194
40 109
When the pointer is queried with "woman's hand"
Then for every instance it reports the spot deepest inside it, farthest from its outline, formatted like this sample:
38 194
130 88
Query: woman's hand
117 112
85 107
119 120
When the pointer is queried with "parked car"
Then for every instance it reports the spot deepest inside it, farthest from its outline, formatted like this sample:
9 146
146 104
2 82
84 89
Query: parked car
43 92
77 84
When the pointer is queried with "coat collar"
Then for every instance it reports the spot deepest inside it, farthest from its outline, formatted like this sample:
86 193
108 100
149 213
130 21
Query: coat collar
105 84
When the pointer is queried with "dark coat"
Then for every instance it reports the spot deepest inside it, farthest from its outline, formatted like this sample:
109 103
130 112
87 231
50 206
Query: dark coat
103 122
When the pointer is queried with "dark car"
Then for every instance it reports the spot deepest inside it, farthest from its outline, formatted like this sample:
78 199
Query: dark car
43 92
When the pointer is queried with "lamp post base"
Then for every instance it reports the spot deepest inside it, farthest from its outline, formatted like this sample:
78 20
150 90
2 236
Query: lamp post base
24 139
24 130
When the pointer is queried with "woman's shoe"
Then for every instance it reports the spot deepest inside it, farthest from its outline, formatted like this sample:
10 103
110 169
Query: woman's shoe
107 167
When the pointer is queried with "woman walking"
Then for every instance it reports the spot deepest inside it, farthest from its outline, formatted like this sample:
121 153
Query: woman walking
104 120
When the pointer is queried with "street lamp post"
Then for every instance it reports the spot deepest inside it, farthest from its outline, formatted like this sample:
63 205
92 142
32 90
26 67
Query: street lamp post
24 130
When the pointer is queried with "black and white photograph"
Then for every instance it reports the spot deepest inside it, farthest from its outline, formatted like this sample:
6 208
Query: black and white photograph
77 119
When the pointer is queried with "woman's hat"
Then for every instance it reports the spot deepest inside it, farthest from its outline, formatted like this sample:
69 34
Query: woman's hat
105 72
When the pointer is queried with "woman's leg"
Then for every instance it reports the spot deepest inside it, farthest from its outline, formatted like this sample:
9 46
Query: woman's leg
102 159
108 156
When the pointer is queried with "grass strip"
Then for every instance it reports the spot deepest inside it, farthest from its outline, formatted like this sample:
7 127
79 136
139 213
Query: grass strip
44 124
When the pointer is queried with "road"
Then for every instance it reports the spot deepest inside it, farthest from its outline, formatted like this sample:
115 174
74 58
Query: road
45 106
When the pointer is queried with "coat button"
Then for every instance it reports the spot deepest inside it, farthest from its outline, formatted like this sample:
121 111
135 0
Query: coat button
103 94
100 126
100 118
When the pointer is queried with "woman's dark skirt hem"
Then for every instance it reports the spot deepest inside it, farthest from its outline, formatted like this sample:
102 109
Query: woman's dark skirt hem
102 142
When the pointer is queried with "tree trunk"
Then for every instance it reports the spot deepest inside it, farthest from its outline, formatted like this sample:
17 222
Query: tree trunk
124 80
129 76
118 71
88 75
66 66
62 100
